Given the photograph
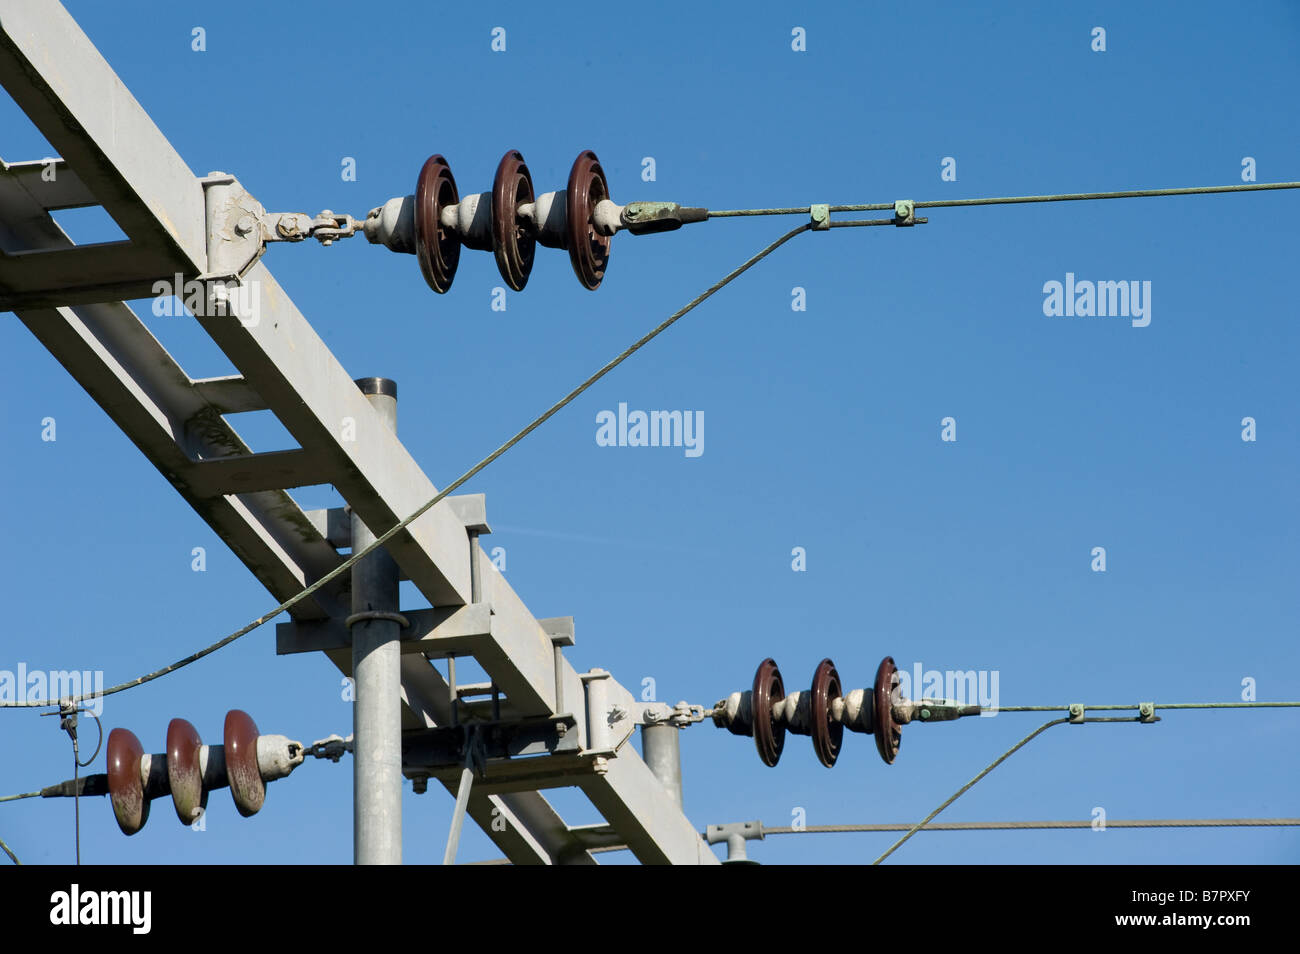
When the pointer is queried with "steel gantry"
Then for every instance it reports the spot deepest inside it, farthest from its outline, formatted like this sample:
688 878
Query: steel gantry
539 723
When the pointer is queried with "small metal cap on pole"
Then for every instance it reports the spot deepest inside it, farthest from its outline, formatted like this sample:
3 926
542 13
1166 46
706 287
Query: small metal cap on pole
735 835
376 669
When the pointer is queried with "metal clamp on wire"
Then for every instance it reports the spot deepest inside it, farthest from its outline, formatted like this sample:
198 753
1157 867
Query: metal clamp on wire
331 747
646 218
904 212
297 226
368 615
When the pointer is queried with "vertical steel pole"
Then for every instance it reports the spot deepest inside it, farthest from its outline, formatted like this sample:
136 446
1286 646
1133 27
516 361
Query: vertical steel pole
661 749
376 667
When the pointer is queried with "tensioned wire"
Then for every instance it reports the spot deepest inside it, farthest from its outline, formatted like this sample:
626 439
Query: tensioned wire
615 362
454 485
1047 825
1016 199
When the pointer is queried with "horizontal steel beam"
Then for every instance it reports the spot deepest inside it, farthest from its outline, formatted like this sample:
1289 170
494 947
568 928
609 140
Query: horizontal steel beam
63 84
433 632
58 78
247 473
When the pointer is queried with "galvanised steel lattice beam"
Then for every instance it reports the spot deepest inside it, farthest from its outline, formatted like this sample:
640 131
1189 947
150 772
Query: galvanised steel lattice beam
71 298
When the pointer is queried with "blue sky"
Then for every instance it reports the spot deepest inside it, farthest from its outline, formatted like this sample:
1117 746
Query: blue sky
822 426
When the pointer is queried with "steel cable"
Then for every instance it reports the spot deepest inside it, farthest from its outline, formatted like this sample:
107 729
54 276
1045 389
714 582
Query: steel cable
454 485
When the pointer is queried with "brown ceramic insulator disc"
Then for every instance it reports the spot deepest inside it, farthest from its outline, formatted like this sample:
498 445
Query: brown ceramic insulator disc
827 731
588 249
125 783
246 784
437 247
512 244
184 773
889 735
769 737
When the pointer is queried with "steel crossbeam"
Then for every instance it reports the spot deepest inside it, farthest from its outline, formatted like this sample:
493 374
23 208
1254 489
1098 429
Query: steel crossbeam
72 299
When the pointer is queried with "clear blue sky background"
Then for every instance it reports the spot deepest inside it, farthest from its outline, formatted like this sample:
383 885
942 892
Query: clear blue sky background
822 427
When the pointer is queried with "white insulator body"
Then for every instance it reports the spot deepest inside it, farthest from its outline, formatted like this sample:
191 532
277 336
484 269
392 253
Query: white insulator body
471 220
277 756
548 218
392 225
607 217
855 710
795 712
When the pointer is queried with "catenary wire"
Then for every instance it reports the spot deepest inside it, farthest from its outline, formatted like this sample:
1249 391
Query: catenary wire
965 788
454 485
636 346
1015 199
572 395
1044 825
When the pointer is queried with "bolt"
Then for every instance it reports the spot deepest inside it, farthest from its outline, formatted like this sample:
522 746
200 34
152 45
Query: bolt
420 784
925 714
245 225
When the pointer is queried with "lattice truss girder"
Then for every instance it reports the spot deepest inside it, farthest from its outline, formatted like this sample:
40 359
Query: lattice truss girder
71 298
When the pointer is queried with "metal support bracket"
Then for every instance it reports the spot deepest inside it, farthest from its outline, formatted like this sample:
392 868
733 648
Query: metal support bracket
904 212
735 835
